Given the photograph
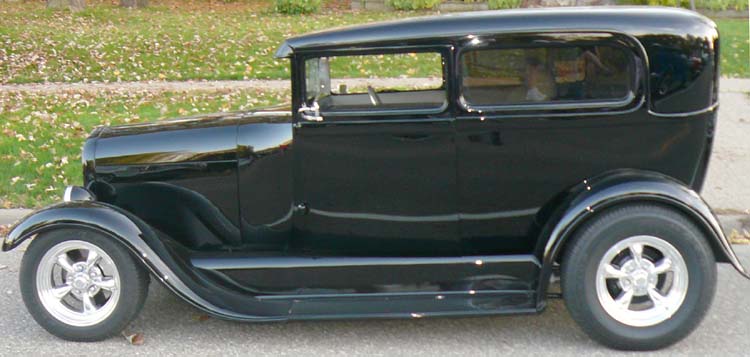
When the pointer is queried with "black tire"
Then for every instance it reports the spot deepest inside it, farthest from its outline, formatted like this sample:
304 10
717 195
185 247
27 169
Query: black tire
589 246
134 281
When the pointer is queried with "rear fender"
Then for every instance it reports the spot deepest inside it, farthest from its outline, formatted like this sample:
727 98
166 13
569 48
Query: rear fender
591 196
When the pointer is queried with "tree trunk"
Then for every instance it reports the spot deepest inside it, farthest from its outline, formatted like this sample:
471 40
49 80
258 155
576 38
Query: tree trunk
73 5
133 3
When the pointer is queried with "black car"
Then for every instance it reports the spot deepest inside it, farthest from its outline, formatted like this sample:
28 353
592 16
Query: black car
504 150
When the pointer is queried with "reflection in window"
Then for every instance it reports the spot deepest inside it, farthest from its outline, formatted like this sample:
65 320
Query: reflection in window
543 75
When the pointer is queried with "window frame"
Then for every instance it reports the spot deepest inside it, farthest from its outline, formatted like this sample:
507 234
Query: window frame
637 83
444 50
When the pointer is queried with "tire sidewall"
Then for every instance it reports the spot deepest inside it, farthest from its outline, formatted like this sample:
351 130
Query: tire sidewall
131 285
677 231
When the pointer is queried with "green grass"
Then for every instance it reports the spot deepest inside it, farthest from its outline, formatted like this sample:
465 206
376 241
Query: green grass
42 135
735 47
202 40
108 43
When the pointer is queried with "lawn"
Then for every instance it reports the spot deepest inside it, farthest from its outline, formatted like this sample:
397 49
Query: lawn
42 135
178 40
735 47
191 40
108 43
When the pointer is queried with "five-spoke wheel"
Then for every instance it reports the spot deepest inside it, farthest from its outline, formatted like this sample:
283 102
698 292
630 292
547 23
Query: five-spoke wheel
638 276
80 284
77 283
642 281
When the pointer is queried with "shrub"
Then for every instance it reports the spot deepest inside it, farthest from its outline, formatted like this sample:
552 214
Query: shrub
503 4
297 6
413 4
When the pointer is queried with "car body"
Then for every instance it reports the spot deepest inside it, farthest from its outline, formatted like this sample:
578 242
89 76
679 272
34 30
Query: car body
458 200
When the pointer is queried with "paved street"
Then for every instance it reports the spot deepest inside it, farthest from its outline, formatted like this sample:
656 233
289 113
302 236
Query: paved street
170 326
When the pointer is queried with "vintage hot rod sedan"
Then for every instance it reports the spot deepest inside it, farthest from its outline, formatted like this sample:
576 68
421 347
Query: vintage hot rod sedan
508 149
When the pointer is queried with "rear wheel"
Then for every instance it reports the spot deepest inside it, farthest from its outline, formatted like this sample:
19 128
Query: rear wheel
81 285
638 277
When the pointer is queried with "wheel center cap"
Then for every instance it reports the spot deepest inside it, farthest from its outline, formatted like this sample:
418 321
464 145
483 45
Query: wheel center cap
81 281
641 281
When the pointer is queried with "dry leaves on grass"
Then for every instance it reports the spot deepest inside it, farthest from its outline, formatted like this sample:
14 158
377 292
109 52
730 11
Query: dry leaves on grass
107 43
40 149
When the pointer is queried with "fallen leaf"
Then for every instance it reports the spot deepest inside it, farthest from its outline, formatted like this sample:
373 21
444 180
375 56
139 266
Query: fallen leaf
202 317
135 339
736 237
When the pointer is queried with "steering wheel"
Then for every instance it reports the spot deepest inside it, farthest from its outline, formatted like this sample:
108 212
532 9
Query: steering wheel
374 99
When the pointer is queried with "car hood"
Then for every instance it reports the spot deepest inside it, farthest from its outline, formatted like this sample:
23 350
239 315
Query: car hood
206 137
271 114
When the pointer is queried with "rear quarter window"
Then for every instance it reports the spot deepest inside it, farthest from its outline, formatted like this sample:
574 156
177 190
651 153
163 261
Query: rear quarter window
600 73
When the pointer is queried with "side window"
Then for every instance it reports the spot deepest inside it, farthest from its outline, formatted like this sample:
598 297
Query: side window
546 75
368 84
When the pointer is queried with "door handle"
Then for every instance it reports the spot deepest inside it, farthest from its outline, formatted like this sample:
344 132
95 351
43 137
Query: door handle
311 113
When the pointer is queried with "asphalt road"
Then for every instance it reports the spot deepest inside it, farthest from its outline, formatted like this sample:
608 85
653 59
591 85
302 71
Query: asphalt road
172 327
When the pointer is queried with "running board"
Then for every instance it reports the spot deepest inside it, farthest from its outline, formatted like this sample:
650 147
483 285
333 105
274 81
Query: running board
337 276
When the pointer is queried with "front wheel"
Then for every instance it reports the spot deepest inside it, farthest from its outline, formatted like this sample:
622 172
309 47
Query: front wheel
638 277
81 285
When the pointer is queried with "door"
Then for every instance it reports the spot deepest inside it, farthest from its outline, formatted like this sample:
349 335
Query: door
377 189
374 171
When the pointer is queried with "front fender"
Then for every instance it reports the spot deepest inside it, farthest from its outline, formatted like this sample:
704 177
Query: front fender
137 236
590 196
96 215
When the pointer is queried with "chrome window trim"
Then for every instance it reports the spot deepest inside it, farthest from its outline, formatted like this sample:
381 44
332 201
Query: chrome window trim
711 108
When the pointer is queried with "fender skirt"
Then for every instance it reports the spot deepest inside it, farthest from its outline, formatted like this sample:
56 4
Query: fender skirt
584 200
146 244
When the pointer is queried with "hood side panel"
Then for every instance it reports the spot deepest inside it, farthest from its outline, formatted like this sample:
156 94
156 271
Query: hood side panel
179 176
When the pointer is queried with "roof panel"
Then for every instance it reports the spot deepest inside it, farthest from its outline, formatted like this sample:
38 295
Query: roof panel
632 20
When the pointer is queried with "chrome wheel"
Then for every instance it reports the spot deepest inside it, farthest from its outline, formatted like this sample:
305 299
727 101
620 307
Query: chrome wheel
78 283
642 281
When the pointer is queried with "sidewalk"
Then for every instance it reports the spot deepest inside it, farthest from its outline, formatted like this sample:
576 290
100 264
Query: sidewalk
728 85
163 86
